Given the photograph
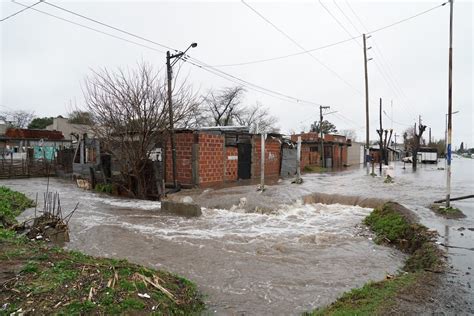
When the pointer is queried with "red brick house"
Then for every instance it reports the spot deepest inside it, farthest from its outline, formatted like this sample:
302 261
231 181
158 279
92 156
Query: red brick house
335 149
215 155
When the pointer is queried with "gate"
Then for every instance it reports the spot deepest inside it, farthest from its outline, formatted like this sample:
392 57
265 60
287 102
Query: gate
245 160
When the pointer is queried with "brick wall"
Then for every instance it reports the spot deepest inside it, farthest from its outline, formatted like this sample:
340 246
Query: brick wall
231 164
211 159
272 157
184 147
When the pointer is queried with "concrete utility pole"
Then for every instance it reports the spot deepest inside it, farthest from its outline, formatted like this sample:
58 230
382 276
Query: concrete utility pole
323 163
367 145
380 132
298 160
169 68
450 104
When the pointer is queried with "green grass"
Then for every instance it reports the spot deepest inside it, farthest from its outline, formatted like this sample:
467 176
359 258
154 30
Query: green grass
12 203
52 280
448 212
104 188
371 299
391 226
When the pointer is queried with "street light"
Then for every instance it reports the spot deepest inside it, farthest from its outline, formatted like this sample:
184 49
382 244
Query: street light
169 67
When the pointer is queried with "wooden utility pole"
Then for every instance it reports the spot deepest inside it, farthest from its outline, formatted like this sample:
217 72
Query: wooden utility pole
323 162
367 145
450 104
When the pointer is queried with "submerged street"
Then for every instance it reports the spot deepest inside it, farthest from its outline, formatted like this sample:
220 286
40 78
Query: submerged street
284 258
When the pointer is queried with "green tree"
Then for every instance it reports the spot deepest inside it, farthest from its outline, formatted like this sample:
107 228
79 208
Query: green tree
81 117
40 122
327 127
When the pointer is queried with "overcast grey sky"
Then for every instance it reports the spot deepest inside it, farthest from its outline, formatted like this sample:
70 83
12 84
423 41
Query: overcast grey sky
44 60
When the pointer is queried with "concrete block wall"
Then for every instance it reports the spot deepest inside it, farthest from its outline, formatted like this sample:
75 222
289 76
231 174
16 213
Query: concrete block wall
231 164
272 157
211 159
184 145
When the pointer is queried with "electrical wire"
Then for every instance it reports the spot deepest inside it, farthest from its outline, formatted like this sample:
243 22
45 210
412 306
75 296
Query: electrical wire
303 49
331 44
107 25
91 28
390 75
194 62
18 12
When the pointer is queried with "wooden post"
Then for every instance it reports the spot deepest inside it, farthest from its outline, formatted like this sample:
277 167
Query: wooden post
262 162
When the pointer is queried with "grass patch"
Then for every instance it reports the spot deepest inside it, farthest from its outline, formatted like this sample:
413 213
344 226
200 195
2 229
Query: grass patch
104 188
315 169
447 212
12 203
371 299
392 225
41 279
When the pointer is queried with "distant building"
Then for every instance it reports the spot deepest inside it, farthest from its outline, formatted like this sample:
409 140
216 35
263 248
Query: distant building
335 149
70 131
19 143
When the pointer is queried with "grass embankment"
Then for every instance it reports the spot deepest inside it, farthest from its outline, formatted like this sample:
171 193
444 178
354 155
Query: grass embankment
447 212
392 226
38 278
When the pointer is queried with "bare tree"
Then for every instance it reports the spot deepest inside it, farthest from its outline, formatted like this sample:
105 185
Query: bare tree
257 116
225 105
130 114
416 142
18 118
349 133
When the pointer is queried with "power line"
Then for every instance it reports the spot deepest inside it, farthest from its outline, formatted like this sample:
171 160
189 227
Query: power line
390 75
107 25
18 12
302 48
194 62
328 45
289 55
91 28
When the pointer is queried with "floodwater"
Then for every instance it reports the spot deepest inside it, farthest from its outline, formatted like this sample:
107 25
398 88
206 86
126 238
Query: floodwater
291 258
295 259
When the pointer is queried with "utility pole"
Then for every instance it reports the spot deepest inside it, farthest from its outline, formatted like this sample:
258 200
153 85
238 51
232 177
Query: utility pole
429 141
169 68
170 108
395 147
323 163
380 132
450 103
367 145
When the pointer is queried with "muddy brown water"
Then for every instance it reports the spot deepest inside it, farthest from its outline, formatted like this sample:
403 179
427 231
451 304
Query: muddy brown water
297 258
289 260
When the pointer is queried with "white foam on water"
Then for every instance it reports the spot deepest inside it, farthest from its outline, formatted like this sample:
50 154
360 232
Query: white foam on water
126 203
314 223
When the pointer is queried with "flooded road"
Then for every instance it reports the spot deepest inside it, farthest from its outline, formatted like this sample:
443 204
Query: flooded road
292 259
295 259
